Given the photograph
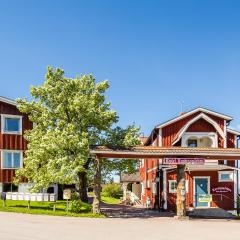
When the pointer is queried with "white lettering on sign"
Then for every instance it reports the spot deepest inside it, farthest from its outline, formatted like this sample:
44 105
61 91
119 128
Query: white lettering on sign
221 190
174 161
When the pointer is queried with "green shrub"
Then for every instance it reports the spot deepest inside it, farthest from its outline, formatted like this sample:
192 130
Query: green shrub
112 190
76 206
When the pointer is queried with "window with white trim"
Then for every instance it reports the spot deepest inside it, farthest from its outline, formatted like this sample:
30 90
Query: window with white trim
225 176
11 159
11 124
173 186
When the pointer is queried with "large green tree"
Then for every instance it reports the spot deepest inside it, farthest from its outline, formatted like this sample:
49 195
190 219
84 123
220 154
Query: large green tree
69 116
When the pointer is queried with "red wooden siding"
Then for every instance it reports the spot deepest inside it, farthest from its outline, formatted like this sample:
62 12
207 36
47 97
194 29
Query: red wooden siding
227 201
231 144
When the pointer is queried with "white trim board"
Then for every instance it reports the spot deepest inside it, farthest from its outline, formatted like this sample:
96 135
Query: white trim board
233 131
3 116
12 151
200 109
9 101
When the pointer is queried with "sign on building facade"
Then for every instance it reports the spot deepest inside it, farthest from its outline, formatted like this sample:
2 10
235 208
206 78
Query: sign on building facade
176 161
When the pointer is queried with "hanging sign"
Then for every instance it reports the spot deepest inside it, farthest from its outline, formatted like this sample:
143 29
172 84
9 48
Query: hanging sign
204 198
223 189
192 161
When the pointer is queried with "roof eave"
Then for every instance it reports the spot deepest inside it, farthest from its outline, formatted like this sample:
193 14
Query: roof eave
225 117
8 101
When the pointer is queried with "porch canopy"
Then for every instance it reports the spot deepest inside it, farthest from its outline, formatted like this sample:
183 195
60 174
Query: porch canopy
167 152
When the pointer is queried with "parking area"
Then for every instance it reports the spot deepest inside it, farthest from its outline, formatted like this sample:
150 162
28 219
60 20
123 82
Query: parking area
38 227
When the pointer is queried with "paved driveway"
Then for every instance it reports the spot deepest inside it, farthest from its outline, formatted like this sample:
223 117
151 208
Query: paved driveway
35 227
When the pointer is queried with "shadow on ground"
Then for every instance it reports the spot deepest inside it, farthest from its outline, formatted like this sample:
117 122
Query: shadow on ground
122 211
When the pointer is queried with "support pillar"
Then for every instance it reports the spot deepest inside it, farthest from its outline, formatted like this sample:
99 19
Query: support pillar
97 185
181 192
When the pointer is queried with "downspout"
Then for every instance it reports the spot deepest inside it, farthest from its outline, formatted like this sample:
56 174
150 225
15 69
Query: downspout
238 199
159 188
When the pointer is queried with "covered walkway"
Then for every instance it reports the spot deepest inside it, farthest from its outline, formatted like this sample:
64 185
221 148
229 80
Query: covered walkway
149 152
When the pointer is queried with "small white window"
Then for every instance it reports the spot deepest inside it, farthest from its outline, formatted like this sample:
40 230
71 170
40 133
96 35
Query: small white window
173 186
11 124
225 176
11 159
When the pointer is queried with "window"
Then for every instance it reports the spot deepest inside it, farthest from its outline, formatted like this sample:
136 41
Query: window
11 159
192 143
11 124
173 186
225 176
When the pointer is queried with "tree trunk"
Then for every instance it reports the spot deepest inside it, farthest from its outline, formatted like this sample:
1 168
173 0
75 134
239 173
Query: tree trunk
181 192
83 182
82 176
97 185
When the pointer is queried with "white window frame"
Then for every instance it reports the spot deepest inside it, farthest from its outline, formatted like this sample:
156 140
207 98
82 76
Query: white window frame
225 172
4 116
11 151
175 191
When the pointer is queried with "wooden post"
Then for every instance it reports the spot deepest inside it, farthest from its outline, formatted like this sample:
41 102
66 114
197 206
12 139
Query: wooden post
181 192
28 205
97 185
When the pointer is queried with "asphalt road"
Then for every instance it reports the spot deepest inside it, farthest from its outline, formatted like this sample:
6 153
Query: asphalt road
36 227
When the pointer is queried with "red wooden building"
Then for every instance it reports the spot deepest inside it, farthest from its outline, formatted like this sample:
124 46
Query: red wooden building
13 124
12 144
215 178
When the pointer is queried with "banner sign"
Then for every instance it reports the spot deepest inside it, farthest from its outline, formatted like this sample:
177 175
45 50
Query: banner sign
175 161
221 189
204 198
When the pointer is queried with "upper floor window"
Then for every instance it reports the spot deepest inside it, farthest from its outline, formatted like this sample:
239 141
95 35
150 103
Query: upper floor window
192 143
11 124
11 159
225 176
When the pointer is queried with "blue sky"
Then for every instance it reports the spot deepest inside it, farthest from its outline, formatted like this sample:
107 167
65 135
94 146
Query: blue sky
154 53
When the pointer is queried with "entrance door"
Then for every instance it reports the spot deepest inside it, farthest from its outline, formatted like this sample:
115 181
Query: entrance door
201 188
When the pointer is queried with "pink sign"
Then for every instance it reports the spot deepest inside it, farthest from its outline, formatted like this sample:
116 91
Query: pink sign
221 189
175 161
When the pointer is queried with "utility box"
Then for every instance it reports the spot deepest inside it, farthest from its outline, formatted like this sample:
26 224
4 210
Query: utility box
8 196
46 197
33 197
40 197
53 197
14 196
20 196
27 196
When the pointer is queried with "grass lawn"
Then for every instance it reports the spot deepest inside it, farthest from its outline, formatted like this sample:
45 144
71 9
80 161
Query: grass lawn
108 200
45 208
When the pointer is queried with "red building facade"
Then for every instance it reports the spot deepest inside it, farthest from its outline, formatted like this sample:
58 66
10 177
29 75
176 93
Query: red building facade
218 179
13 124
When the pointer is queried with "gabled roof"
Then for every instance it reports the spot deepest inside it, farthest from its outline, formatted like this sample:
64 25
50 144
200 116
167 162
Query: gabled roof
199 109
8 100
199 116
233 131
